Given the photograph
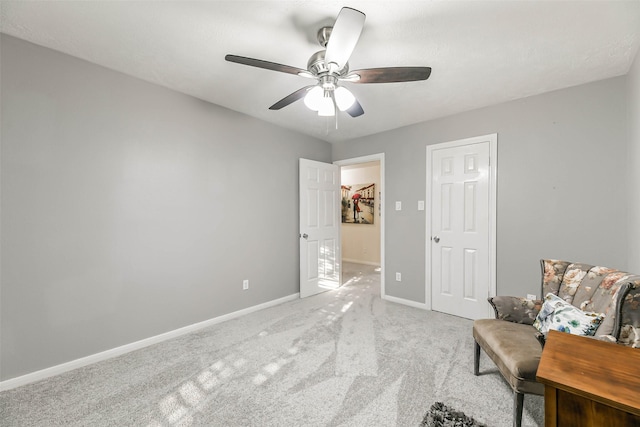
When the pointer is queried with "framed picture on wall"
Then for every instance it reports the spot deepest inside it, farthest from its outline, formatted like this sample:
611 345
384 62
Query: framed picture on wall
358 203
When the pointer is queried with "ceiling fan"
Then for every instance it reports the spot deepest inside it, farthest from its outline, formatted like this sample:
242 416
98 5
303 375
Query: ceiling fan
330 68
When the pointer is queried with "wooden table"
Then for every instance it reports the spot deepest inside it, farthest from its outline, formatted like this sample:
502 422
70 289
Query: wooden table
589 383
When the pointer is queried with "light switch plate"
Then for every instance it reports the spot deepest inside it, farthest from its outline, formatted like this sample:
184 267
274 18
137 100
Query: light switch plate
420 205
398 206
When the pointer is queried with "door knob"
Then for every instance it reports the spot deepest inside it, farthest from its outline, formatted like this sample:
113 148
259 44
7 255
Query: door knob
436 239
305 236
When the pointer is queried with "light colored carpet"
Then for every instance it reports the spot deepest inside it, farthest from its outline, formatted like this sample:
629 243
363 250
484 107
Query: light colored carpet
341 358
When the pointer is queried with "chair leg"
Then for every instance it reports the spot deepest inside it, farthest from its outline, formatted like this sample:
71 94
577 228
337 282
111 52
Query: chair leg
476 358
518 401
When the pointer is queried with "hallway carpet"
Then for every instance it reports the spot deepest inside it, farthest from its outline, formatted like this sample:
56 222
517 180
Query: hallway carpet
341 358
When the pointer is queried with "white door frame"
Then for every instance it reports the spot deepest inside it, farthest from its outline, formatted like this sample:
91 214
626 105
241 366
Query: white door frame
365 159
493 180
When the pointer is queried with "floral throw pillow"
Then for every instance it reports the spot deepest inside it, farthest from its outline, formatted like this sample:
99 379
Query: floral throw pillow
559 315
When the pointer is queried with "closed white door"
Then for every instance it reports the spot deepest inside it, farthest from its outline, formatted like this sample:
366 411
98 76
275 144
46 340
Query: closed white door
459 227
319 227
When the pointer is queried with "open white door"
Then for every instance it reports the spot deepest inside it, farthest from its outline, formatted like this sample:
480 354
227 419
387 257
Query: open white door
319 227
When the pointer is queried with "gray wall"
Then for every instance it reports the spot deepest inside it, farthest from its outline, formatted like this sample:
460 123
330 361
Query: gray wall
129 210
634 166
562 184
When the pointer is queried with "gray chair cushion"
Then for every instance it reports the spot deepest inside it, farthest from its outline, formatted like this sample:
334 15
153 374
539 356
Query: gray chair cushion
517 357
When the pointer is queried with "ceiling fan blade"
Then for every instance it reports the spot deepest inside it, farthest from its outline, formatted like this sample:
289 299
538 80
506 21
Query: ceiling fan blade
259 63
388 75
344 36
289 99
355 110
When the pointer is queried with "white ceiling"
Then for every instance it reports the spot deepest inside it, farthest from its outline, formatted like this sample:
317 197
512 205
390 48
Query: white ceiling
481 52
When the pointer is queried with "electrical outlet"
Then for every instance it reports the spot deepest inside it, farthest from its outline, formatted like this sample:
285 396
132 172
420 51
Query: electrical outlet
245 284
398 277
531 296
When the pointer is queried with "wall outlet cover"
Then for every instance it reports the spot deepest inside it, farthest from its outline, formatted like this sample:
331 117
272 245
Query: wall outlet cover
531 296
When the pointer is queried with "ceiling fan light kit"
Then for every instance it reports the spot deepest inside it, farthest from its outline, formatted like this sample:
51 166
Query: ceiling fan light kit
313 98
330 67
327 107
344 98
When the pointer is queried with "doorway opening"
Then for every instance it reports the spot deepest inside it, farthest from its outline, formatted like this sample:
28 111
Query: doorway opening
362 212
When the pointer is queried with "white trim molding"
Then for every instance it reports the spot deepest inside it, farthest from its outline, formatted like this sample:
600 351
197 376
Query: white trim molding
127 348
403 301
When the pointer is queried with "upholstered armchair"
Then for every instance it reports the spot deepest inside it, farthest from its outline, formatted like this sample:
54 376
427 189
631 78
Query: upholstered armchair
599 302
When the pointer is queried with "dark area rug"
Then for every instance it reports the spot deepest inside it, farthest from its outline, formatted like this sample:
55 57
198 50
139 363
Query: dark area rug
441 415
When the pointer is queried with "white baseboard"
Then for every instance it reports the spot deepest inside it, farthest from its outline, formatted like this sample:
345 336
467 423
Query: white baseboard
408 302
357 261
108 354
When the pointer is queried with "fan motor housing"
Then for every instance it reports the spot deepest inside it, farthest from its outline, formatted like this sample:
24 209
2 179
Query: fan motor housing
317 67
